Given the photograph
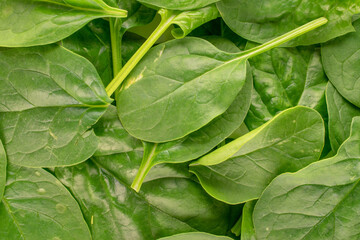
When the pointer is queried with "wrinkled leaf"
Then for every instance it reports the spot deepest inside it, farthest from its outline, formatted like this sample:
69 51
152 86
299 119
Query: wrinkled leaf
261 20
341 58
341 113
240 170
320 201
37 22
49 98
36 206
178 4
114 211
3 165
195 236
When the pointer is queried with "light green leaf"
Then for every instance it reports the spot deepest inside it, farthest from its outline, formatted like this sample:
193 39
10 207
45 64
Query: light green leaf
3 165
240 170
38 22
260 20
114 211
341 113
195 82
341 58
36 206
178 4
320 201
195 236
49 98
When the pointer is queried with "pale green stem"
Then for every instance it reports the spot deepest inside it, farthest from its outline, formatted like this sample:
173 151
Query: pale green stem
236 229
144 168
284 38
115 27
165 23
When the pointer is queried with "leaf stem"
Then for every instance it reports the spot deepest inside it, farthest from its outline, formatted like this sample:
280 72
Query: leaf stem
115 27
146 165
166 20
284 38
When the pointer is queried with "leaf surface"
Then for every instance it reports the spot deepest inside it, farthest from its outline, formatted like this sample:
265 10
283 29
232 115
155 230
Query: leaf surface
195 236
318 202
240 170
178 4
37 22
261 20
36 206
49 98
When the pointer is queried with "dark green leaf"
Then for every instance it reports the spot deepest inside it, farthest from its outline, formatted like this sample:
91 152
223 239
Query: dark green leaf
320 201
36 206
3 164
37 22
169 202
240 170
341 112
195 236
341 58
261 20
178 4
49 98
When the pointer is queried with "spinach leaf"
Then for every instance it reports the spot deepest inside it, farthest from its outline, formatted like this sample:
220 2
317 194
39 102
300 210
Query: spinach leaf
3 165
240 170
114 211
178 4
247 227
341 58
112 137
195 236
341 112
49 98
260 20
188 96
38 22
283 78
36 206
320 201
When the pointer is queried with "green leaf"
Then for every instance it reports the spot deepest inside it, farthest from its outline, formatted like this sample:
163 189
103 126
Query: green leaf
178 4
260 20
112 137
341 58
341 112
247 227
36 206
320 201
49 98
3 165
240 170
114 211
284 78
195 82
195 236
38 22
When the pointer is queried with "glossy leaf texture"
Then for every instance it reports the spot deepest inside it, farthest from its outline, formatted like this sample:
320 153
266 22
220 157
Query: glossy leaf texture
195 236
320 201
36 206
341 58
3 165
114 211
178 4
261 20
341 113
201 85
247 227
240 170
283 78
37 22
49 98
112 137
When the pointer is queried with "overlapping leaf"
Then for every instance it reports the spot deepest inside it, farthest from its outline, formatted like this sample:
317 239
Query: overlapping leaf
195 236
178 4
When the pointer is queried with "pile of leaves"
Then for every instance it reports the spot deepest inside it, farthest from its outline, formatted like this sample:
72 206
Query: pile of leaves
179 120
